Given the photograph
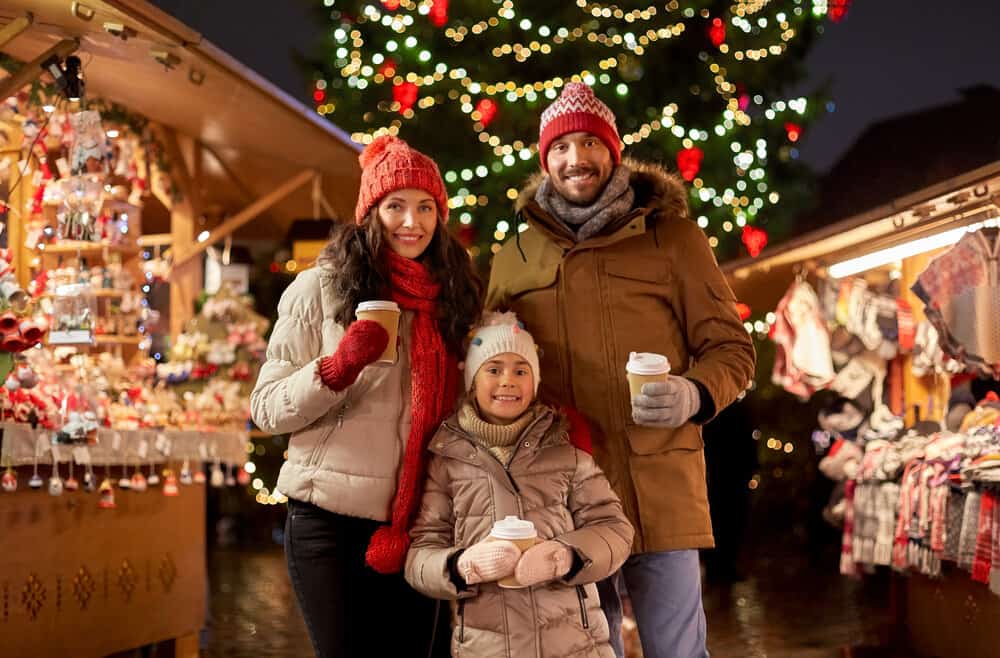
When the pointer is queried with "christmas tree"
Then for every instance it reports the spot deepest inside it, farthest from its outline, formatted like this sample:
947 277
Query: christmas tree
698 85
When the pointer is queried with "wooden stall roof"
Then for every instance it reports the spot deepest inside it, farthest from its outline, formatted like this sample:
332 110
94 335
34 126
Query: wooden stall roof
264 136
964 199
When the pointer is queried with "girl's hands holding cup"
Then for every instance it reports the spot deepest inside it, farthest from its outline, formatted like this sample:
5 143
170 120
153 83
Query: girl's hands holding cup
488 560
543 562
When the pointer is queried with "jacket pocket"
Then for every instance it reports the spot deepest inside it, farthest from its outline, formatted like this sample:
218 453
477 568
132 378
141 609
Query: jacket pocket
639 269
581 596
654 440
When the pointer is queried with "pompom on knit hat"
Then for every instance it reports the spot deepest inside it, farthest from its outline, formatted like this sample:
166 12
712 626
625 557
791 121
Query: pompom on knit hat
578 110
499 333
389 164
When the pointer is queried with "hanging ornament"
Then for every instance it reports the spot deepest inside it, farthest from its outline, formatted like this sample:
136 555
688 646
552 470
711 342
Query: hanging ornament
837 9
125 482
107 499
755 239
36 481
218 478
170 483
71 484
793 130
89 480
242 477
230 476
405 93
487 109
199 476
8 481
717 32
55 480
153 480
743 310
186 477
139 481
689 162
439 13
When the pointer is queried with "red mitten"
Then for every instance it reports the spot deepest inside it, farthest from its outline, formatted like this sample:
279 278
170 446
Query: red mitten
361 345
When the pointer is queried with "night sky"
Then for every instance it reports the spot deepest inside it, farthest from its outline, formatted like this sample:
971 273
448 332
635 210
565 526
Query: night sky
888 57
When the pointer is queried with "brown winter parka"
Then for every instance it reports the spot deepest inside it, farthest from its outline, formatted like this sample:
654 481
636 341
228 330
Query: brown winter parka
648 283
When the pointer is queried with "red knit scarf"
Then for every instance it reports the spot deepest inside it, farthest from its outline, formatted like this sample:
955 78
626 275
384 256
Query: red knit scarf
434 387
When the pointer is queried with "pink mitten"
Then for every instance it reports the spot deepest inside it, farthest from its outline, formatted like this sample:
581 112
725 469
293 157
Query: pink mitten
544 562
488 561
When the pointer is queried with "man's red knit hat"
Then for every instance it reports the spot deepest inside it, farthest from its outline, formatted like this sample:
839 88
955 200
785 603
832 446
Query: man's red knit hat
578 110
389 164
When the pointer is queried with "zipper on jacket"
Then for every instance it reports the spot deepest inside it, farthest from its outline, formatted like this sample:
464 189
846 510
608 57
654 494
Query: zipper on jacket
461 621
321 449
581 594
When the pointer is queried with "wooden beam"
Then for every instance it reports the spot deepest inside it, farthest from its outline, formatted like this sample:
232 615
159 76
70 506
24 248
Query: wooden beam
156 240
12 29
33 69
245 215
227 170
180 173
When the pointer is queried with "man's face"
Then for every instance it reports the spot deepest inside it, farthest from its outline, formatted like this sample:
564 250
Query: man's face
580 165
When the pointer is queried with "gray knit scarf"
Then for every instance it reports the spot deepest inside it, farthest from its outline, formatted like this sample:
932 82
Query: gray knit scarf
587 221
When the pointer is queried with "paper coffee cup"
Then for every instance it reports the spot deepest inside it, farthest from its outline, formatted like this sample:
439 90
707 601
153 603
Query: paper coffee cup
519 532
644 368
386 313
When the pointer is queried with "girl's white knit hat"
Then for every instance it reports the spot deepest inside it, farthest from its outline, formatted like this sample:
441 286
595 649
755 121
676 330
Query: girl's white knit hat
499 333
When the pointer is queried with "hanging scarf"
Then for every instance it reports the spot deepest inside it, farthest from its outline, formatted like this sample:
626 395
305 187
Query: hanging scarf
614 202
434 386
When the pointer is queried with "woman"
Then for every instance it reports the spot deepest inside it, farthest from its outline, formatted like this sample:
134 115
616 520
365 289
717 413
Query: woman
359 431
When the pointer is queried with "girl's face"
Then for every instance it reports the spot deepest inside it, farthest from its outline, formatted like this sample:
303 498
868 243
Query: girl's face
504 388
409 218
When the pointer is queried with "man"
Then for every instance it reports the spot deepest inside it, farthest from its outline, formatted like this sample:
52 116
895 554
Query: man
611 263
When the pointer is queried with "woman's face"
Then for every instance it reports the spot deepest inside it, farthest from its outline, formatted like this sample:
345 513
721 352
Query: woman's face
409 218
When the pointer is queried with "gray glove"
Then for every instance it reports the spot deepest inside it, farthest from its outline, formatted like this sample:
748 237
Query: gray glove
666 404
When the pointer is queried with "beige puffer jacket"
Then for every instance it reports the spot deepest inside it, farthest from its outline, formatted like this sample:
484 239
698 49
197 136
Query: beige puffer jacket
563 492
346 447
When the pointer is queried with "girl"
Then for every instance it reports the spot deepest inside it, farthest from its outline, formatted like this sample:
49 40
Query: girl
358 433
505 454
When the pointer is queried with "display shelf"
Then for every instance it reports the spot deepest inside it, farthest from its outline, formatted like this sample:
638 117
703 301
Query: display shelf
112 339
69 247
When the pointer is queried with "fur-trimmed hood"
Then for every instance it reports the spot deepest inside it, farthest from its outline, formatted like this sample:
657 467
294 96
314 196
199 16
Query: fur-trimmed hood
655 188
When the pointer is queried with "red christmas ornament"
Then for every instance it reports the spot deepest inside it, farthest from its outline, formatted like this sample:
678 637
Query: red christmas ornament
388 67
837 9
744 102
439 12
319 95
755 239
717 32
487 111
405 93
391 5
689 162
793 130
743 310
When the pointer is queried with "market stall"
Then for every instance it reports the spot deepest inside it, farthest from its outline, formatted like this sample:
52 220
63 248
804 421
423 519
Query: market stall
893 316
128 147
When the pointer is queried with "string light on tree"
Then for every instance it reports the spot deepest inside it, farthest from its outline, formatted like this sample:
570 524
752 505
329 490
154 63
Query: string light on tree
404 67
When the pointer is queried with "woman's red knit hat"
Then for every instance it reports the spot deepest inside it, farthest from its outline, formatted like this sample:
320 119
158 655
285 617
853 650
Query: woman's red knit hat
389 164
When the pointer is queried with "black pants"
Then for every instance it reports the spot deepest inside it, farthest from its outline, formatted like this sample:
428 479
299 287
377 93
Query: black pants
350 610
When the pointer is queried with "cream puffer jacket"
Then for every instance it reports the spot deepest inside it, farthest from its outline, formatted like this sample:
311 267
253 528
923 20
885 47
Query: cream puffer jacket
563 492
346 447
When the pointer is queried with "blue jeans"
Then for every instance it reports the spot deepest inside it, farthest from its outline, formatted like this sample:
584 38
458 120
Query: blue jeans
665 591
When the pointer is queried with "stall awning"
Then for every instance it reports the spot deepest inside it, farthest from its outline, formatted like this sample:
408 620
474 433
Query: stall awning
262 136
961 200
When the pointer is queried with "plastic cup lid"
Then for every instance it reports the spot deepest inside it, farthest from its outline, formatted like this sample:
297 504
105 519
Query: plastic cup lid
512 527
647 363
378 305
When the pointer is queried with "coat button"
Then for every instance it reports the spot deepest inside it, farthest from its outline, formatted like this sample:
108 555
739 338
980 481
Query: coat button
527 444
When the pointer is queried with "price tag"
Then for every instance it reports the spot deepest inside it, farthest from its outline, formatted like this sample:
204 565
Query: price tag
143 449
81 455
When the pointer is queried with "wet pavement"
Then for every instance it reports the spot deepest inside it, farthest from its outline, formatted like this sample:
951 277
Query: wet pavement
789 607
